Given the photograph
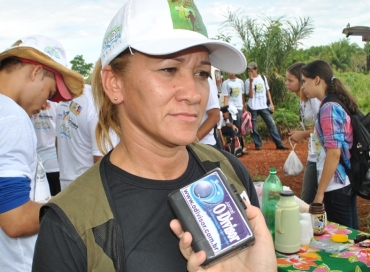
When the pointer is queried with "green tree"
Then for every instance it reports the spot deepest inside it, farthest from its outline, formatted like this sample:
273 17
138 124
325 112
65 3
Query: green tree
341 55
80 66
367 52
269 41
345 57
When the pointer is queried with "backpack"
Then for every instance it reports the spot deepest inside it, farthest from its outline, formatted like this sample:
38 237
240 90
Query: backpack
233 146
359 173
246 123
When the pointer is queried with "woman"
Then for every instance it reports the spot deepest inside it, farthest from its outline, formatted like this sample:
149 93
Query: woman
308 109
151 88
335 139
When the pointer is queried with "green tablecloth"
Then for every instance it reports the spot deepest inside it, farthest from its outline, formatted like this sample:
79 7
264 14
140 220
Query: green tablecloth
354 258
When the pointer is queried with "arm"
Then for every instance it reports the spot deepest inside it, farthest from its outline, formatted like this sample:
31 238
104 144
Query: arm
330 165
246 260
22 220
298 136
251 92
222 138
225 93
97 158
269 97
209 123
226 100
243 96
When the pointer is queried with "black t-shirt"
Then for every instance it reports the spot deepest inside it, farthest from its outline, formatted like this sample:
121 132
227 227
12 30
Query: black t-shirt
144 215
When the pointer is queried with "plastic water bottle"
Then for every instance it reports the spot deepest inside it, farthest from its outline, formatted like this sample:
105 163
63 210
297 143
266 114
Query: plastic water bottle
270 196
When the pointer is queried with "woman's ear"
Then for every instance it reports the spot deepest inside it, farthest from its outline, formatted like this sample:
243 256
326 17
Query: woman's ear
112 85
317 80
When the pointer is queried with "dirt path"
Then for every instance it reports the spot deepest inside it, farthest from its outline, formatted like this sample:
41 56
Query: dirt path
259 163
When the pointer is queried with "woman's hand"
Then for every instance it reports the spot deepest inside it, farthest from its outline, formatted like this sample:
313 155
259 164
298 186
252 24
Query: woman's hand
259 257
297 136
319 198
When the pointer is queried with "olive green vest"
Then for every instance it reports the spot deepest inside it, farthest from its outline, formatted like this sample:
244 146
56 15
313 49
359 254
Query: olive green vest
86 205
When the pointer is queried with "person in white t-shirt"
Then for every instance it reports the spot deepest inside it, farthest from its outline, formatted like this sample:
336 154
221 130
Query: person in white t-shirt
258 91
75 127
32 70
233 93
44 124
308 109
205 134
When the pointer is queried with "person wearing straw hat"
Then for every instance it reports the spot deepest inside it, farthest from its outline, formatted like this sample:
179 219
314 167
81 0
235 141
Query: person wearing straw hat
32 70
116 216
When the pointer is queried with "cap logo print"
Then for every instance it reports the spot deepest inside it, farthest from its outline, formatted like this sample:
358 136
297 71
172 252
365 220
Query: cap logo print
185 15
112 37
52 52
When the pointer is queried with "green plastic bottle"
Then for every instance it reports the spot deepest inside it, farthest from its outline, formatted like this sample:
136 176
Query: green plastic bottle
270 196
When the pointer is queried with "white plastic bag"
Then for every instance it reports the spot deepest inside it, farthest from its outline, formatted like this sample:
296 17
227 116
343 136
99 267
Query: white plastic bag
41 186
292 166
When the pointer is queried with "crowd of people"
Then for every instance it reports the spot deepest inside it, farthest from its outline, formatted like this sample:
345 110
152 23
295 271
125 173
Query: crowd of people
110 166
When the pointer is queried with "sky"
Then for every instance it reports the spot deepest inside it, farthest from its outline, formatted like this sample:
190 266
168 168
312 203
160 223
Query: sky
80 24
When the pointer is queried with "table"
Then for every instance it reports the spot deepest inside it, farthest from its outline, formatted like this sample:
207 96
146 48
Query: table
354 258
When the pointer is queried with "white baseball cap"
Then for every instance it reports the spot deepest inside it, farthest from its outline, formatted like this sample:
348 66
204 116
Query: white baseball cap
233 111
50 54
162 27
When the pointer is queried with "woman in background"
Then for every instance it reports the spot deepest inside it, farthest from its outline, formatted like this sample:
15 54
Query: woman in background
334 140
308 109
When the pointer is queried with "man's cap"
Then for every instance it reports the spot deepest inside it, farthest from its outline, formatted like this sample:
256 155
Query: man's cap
51 55
252 65
231 109
162 27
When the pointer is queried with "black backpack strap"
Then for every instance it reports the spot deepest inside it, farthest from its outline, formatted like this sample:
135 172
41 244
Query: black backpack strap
264 81
119 253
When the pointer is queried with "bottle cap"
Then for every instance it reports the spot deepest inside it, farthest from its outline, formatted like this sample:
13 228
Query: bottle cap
287 193
339 238
273 170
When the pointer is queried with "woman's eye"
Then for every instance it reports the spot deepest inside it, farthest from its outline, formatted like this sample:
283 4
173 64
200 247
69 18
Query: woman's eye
203 74
169 70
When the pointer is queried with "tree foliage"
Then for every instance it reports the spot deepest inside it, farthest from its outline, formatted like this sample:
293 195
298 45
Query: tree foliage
269 42
80 66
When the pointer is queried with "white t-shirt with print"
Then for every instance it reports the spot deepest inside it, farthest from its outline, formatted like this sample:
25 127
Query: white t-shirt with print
308 115
213 103
234 89
44 124
260 87
18 159
75 126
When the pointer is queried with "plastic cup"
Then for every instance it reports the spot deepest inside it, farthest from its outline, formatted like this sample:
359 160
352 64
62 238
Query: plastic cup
307 217
305 232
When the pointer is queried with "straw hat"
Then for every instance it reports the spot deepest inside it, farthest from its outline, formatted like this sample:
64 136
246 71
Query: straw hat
50 53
